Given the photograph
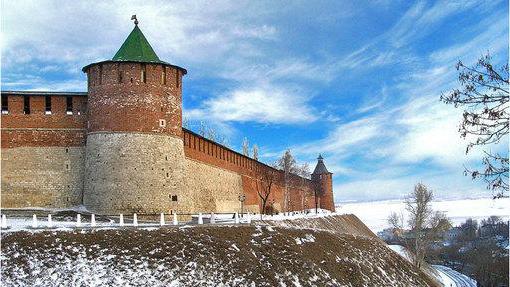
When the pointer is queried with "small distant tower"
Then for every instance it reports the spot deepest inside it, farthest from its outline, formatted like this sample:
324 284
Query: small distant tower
323 180
134 152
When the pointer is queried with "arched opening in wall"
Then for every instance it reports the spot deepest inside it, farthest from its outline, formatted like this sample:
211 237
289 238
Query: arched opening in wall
143 74
26 105
69 105
47 105
5 104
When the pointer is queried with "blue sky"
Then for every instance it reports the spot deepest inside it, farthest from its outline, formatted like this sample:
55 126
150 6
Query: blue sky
358 81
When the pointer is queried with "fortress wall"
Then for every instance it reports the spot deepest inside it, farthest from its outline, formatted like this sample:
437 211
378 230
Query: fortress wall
49 176
213 189
141 176
214 157
42 154
41 129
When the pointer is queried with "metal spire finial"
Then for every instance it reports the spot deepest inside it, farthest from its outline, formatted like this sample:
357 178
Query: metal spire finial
134 18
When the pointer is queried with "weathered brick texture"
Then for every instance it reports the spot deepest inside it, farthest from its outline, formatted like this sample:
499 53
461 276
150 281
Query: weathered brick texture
127 104
134 172
42 176
123 150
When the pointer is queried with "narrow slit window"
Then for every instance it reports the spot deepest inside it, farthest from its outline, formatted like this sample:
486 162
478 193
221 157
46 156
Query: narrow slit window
163 76
120 77
47 103
177 78
69 105
26 105
5 104
143 75
174 197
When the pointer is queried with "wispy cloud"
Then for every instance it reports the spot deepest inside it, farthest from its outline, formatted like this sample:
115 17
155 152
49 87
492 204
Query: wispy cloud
264 104
364 92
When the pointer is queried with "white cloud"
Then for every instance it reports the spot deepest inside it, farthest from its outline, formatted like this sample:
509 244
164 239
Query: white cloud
264 104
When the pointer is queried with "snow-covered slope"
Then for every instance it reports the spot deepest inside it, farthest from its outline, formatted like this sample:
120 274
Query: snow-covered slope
341 224
202 256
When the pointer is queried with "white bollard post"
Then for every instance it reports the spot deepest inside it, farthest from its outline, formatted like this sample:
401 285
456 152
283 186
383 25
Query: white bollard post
4 221
162 219
34 221
93 220
200 220
121 220
78 220
135 220
175 219
236 217
50 221
213 219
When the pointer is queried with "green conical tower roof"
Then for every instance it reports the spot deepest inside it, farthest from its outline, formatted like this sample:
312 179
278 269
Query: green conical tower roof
136 48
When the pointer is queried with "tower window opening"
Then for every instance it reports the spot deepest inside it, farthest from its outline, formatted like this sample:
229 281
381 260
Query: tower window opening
162 123
69 105
120 77
177 78
143 75
174 197
26 105
5 104
47 101
163 76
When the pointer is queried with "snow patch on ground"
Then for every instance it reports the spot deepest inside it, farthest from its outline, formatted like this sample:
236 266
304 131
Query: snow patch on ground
307 238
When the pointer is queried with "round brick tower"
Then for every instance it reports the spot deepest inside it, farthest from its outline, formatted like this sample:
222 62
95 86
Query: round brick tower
134 152
323 181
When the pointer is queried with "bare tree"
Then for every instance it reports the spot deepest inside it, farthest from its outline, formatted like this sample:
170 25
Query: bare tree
246 147
210 133
318 191
396 220
265 182
484 95
287 164
185 123
418 206
304 174
425 225
255 152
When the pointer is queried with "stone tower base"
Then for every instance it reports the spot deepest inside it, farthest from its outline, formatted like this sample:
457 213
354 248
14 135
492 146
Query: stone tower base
134 172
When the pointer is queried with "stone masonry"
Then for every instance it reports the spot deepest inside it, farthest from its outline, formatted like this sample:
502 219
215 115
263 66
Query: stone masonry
121 148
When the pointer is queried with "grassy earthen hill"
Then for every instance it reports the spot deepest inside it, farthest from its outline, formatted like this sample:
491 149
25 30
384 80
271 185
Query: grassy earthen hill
257 255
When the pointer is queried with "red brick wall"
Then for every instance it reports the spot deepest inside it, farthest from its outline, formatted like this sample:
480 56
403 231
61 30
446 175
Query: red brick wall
40 129
131 105
209 152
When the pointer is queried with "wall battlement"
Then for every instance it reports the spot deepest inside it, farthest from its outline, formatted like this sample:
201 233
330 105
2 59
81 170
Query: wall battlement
121 147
